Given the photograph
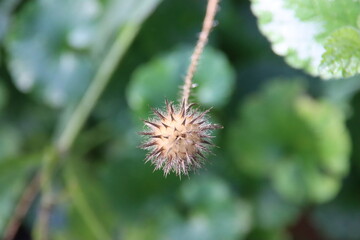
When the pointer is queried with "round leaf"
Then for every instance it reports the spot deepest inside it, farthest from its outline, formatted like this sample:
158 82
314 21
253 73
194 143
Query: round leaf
161 78
299 143
297 29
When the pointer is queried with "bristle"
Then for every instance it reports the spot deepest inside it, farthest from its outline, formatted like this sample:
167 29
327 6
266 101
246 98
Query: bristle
156 136
190 106
158 151
183 123
206 142
200 154
205 135
217 126
149 156
203 148
182 110
202 122
153 154
211 127
200 116
152 124
171 108
149 144
158 114
192 115
183 168
146 133
188 159
168 107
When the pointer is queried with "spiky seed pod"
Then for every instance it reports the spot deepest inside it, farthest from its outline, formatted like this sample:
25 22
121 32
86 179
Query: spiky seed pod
178 138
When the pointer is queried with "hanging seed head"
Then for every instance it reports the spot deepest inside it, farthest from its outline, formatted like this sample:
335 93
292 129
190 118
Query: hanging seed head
178 138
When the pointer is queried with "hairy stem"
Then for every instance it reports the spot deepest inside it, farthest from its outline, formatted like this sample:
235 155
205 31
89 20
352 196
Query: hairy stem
204 34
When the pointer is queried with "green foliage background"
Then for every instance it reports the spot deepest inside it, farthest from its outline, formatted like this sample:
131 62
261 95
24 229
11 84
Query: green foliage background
288 161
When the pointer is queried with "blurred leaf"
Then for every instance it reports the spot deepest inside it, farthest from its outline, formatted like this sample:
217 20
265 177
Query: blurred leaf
202 213
331 218
213 212
3 95
162 77
9 141
14 175
192 192
342 56
272 211
271 235
298 29
353 125
55 47
341 92
74 228
299 143
215 78
89 201
151 224
42 53
6 7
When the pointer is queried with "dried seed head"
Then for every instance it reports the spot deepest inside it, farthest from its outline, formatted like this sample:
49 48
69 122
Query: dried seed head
178 139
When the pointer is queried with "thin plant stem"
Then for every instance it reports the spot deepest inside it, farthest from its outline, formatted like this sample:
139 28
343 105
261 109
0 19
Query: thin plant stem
22 208
203 38
76 122
96 88
46 176
82 204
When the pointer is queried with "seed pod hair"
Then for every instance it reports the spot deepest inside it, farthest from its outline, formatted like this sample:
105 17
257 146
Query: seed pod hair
179 137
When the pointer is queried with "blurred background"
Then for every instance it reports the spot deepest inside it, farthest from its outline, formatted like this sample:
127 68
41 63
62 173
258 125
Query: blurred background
287 166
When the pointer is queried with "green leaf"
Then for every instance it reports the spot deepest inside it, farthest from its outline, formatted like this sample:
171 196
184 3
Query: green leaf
3 95
330 218
341 92
213 211
56 47
206 209
299 183
297 29
215 190
342 56
282 234
301 144
10 141
6 7
272 211
14 176
89 201
161 78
